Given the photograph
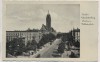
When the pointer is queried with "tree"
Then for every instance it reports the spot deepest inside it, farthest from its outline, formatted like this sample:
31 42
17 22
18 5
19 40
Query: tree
61 47
46 38
31 45
15 47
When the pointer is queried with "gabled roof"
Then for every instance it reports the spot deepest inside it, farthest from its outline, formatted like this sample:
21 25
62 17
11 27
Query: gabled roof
43 27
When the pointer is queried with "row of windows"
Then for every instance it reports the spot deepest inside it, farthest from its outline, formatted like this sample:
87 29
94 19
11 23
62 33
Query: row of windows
15 34
10 38
76 34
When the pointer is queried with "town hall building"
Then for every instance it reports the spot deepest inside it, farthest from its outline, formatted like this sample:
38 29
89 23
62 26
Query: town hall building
29 34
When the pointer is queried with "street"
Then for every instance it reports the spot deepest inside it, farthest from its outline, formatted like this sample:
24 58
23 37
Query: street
49 51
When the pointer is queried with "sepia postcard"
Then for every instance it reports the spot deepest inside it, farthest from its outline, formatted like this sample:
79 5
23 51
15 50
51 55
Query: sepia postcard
50 30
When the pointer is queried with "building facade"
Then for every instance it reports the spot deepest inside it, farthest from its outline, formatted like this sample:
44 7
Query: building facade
27 35
47 28
76 35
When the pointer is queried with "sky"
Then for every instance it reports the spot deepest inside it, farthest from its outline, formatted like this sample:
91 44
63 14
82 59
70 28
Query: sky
64 17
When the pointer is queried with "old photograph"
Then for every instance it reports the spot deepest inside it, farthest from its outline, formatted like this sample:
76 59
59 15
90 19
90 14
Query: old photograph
42 31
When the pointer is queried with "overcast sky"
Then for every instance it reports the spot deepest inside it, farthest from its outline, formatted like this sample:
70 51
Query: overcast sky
23 16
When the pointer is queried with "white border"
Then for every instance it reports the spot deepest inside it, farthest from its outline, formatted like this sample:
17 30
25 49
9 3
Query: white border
43 0
0 30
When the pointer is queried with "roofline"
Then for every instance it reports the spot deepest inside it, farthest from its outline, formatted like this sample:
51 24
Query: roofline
22 31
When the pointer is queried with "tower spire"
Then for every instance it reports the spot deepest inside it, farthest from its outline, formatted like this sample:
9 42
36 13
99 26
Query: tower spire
48 21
